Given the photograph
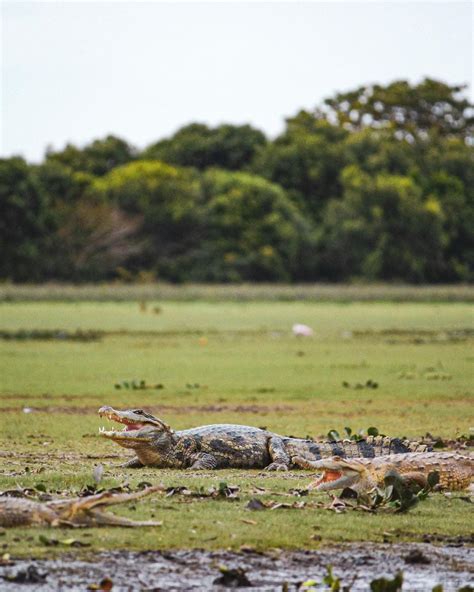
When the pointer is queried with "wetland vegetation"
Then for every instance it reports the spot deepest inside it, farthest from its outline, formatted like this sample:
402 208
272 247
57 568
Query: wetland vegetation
195 363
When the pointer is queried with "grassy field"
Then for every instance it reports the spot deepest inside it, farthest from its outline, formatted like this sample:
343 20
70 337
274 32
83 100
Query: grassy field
117 292
228 362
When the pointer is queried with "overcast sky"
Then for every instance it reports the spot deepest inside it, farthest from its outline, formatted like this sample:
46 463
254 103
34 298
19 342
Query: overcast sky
76 71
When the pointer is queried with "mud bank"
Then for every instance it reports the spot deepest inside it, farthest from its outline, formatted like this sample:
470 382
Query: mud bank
423 566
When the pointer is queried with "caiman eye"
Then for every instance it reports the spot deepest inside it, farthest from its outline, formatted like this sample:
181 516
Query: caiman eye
138 412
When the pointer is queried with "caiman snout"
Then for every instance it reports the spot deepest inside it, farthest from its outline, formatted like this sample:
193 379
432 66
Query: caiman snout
133 418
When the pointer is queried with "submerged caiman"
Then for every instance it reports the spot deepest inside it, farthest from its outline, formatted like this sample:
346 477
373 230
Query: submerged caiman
79 511
222 446
455 470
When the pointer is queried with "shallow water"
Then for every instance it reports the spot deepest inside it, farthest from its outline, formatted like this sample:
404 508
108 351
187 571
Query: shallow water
355 564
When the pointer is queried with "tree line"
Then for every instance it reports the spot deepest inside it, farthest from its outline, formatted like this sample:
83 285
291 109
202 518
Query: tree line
376 183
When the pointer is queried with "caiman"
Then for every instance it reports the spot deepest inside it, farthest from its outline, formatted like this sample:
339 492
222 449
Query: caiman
80 511
222 446
363 474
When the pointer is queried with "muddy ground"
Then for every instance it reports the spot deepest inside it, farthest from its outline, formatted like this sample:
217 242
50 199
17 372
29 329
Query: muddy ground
423 566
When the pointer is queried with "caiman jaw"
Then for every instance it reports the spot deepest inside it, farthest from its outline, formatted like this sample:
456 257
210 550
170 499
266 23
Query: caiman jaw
327 478
132 423
336 473
129 434
112 415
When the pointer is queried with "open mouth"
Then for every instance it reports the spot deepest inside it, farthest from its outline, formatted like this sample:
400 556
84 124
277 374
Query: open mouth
128 425
328 476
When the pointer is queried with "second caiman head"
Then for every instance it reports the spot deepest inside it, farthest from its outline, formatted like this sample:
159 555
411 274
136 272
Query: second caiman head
146 434
338 473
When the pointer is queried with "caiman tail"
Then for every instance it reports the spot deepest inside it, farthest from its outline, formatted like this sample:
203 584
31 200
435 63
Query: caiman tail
368 447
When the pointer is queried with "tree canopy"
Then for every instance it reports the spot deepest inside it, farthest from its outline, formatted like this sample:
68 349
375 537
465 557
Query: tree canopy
305 159
382 228
196 145
252 231
25 221
376 183
97 158
409 110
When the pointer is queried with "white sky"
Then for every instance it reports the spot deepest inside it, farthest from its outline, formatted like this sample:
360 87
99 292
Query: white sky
76 71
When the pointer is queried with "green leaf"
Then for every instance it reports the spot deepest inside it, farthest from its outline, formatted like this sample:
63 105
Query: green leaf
422 495
309 584
384 585
372 431
74 543
330 580
333 435
47 541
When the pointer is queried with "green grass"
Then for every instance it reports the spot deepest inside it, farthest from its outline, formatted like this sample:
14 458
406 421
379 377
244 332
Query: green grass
250 369
237 292
213 524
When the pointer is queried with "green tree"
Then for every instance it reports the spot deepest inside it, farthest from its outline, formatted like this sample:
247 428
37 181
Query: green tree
305 160
196 145
167 200
97 158
25 223
378 151
61 183
252 232
382 229
447 175
94 239
378 183
410 110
